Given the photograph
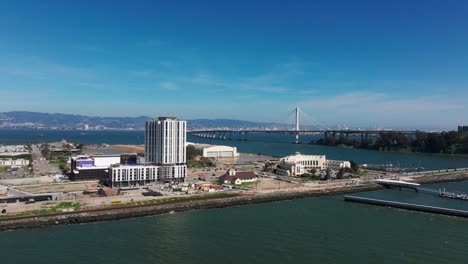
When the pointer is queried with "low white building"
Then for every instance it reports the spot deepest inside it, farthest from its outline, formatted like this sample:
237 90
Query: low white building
299 164
13 150
215 151
14 162
105 160
336 165
134 175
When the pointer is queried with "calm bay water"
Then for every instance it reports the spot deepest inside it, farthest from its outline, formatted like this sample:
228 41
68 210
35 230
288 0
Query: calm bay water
315 230
269 144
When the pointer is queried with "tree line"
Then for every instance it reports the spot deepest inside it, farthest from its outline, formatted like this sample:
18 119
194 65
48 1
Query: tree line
444 142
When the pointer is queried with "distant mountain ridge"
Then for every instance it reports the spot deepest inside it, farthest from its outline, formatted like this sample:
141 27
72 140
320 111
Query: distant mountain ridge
24 119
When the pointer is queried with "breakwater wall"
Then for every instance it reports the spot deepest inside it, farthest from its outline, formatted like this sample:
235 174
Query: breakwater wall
408 206
110 213
123 212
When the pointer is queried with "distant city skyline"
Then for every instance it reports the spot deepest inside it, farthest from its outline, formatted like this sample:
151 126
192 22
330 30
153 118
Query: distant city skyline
362 63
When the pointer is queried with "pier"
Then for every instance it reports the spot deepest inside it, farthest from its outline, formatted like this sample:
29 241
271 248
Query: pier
398 184
408 206
416 187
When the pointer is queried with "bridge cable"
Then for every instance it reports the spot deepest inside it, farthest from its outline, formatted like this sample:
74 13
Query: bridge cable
317 123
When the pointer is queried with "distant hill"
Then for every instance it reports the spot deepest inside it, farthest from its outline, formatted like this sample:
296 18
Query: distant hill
23 119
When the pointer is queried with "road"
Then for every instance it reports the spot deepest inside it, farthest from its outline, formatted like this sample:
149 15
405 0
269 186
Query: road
12 192
40 165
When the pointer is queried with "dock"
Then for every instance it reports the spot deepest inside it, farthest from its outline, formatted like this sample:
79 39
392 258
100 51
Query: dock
416 187
408 206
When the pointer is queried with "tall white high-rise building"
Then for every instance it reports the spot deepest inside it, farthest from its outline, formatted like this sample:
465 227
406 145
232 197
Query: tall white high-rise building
165 140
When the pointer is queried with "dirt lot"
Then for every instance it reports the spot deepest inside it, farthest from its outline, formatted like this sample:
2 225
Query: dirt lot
128 148
272 184
59 187
27 181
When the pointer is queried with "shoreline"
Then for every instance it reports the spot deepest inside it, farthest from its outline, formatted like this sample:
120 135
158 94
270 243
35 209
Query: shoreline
125 212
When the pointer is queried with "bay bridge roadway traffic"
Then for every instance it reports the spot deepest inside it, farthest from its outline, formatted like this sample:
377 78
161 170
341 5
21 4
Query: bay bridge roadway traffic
330 136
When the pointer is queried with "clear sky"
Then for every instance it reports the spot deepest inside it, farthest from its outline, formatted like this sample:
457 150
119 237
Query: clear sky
400 64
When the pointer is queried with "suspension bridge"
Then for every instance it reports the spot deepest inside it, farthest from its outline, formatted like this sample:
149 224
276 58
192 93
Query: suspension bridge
329 134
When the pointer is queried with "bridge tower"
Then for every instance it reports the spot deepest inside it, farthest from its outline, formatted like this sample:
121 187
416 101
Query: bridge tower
297 125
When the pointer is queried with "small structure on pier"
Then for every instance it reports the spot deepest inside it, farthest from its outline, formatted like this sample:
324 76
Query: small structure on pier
398 184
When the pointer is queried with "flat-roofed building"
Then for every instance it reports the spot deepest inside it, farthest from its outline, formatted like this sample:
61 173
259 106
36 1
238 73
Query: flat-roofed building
299 164
336 165
14 162
141 175
215 151
86 168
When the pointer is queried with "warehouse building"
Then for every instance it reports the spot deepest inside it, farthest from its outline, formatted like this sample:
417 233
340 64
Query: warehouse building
214 151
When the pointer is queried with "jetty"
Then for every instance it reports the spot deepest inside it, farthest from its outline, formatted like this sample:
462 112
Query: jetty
408 206
417 187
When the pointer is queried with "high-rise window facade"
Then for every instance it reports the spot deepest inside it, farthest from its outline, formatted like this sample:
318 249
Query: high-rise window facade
165 140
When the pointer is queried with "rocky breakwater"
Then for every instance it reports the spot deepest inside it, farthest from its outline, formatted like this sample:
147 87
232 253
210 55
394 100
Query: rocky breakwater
122 212
116 212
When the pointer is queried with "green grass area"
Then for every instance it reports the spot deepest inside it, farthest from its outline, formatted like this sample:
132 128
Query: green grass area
47 210
65 205
310 177
247 183
198 164
4 168
23 156
60 163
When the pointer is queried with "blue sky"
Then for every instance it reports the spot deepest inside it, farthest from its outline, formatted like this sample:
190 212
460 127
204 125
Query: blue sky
400 64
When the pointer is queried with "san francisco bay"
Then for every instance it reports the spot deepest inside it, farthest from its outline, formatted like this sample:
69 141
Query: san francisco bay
268 144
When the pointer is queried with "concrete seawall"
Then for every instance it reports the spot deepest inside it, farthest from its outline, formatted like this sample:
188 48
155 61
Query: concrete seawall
408 206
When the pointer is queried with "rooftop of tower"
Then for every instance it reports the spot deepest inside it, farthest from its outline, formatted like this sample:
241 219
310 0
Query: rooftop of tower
167 118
